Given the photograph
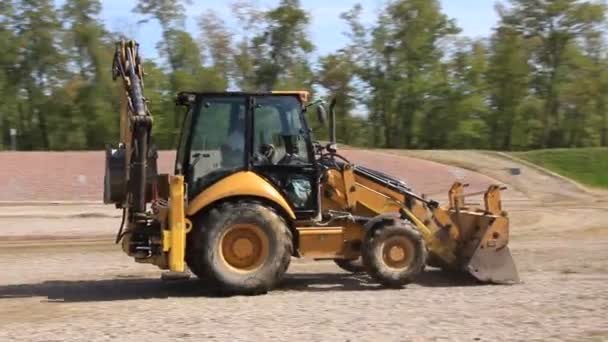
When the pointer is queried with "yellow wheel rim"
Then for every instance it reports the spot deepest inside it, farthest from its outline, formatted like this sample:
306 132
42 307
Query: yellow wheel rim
398 252
244 247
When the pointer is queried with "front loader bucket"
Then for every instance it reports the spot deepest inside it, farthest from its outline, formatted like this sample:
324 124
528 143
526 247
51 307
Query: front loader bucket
491 260
493 266
485 233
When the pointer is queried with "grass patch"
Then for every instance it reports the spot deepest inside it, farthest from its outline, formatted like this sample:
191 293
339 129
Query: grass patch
588 166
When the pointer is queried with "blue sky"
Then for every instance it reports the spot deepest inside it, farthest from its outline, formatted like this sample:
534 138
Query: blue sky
475 17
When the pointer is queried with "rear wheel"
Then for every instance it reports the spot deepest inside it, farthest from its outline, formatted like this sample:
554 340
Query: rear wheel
394 254
241 247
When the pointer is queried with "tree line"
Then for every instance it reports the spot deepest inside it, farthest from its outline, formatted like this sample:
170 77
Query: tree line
408 80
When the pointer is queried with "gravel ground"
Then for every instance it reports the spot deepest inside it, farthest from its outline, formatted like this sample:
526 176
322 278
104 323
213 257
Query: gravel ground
95 293
75 285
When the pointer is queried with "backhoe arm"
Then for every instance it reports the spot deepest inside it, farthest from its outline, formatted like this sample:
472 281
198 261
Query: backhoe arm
135 123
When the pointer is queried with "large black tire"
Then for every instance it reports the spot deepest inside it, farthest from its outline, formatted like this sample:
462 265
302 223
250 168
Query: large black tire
352 266
209 262
393 273
195 267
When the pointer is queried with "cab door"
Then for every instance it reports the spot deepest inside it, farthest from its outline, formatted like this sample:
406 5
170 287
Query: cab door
282 151
217 145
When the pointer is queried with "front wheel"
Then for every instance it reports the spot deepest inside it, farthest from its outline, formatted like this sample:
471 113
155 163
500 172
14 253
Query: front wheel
394 254
242 248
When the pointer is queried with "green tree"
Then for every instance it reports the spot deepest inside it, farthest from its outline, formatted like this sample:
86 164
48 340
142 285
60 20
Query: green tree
8 61
216 41
472 107
456 107
601 109
251 20
585 96
369 65
161 105
279 51
169 13
171 16
184 58
40 69
540 80
553 29
336 76
90 89
417 28
401 62
508 78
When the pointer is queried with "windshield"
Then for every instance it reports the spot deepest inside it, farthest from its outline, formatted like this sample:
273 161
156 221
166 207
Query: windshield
279 135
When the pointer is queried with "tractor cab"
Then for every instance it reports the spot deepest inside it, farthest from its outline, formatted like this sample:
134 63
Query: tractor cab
265 133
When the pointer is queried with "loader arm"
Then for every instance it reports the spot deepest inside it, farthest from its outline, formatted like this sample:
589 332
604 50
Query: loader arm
457 238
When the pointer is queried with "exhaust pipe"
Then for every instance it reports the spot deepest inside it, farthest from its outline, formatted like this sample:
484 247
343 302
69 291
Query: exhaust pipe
332 122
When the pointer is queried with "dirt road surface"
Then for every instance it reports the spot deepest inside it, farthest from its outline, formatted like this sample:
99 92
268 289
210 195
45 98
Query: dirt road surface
62 278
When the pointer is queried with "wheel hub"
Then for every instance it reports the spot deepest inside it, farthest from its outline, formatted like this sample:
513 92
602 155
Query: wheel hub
398 252
244 247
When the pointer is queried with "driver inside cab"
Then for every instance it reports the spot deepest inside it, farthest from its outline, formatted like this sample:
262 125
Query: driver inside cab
233 148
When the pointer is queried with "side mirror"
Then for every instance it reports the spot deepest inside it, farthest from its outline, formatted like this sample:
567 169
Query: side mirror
321 111
321 114
185 98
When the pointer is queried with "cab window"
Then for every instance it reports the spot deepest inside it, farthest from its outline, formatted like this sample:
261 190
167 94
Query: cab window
218 140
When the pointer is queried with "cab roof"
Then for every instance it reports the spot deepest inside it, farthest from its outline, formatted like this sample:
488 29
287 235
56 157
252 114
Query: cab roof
188 96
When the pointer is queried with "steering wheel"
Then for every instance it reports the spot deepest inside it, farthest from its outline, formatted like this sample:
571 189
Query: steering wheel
268 150
291 159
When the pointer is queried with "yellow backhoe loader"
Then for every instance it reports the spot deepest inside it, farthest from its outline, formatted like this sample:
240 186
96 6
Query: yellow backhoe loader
251 190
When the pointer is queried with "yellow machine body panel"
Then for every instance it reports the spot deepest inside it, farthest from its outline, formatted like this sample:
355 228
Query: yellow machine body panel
174 238
321 242
243 183
333 242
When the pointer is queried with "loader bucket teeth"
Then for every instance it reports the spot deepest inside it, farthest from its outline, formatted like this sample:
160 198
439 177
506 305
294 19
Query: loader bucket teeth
493 266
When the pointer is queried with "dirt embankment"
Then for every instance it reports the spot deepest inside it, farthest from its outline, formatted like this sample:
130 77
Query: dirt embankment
78 176
55 195
534 182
